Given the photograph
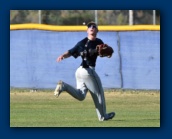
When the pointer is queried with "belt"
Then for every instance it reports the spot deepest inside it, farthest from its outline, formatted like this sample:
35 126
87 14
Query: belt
91 67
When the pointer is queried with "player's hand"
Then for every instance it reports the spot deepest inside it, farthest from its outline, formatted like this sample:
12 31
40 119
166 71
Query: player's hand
60 58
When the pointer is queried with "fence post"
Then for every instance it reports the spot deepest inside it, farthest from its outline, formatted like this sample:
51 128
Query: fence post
39 16
95 12
154 17
130 17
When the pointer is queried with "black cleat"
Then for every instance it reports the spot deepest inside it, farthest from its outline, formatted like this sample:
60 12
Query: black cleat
110 116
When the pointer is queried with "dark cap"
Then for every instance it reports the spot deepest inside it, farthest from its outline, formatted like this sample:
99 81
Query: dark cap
92 23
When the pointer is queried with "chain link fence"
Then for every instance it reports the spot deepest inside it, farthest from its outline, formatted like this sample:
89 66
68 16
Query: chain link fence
81 17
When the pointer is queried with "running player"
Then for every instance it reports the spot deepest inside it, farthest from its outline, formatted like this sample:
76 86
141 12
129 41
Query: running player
86 76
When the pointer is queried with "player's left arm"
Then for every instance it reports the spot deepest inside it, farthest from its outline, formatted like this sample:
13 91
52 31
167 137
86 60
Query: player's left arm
104 50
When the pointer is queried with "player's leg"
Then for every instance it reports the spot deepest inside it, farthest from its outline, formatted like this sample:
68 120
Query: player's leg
93 83
79 93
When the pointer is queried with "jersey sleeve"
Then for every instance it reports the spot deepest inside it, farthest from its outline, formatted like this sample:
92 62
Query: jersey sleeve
100 41
74 51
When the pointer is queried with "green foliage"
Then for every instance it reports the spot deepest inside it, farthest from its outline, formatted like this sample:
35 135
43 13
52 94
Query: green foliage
43 109
121 19
77 17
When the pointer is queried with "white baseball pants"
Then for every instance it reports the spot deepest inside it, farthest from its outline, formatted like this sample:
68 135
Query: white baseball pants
87 79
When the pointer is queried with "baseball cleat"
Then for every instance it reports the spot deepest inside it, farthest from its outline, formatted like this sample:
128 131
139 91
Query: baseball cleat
110 116
58 89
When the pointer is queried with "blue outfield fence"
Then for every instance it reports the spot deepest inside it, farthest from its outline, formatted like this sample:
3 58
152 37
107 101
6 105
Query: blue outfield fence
135 63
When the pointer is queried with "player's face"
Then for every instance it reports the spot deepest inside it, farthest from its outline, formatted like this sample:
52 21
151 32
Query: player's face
92 30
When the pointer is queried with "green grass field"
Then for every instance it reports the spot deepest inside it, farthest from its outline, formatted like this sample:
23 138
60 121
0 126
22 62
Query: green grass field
43 109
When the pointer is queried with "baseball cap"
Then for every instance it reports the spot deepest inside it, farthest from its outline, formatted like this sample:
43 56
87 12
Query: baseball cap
92 23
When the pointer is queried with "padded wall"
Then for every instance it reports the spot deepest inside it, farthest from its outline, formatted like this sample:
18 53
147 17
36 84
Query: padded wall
135 63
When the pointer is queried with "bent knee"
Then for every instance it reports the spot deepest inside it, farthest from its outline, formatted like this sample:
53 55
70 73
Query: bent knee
82 94
81 98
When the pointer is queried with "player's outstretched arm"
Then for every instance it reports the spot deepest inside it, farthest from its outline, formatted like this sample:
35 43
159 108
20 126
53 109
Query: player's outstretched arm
63 56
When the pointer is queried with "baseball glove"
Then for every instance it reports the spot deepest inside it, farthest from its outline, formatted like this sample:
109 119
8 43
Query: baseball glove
104 50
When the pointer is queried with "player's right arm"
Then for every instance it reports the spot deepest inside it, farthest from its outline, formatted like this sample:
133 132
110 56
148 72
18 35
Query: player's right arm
72 52
63 56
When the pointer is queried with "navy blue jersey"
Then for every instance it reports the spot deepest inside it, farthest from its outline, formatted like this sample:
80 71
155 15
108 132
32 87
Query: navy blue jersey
84 46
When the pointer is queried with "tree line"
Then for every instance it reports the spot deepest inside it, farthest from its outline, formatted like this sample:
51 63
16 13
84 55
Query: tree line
78 17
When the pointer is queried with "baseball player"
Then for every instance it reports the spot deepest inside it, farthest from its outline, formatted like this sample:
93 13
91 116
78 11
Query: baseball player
86 76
